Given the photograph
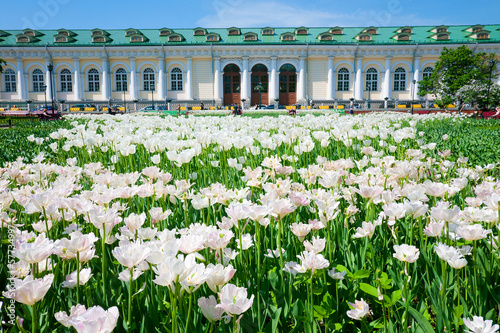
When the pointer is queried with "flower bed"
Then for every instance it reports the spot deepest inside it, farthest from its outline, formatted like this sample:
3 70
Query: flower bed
273 224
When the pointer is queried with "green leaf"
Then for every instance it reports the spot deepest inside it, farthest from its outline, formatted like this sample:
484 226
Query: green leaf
421 320
369 289
361 274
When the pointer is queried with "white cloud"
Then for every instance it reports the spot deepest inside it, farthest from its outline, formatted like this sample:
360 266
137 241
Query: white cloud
244 13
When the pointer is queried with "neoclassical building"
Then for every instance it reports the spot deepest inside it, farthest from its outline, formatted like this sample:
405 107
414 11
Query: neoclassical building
292 65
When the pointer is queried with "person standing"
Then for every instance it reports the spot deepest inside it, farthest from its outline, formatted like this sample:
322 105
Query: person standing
202 105
351 108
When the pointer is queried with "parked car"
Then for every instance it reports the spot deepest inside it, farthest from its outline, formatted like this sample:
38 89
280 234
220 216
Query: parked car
154 108
271 107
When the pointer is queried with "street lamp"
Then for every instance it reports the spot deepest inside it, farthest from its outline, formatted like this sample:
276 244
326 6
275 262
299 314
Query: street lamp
277 103
135 102
43 86
29 101
385 103
413 94
243 103
491 65
369 92
124 102
259 88
62 104
152 100
50 68
167 103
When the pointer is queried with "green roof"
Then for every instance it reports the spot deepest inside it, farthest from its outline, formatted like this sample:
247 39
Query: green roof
385 35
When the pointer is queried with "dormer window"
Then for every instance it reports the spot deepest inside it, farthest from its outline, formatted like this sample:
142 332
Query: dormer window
61 39
268 32
326 37
23 39
130 33
365 38
301 32
336 31
403 37
136 39
443 37
406 31
250 38
98 39
234 32
64 33
165 32
483 35
371 31
439 30
288 38
477 29
199 32
29 33
174 38
96 33
213 38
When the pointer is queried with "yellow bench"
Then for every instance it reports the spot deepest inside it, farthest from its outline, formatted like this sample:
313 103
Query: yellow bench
196 108
2 109
324 107
74 109
212 108
417 106
89 109
121 108
402 106
290 107
183 108
340 107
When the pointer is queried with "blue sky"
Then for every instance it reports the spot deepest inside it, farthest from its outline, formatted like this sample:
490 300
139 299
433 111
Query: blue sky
154 14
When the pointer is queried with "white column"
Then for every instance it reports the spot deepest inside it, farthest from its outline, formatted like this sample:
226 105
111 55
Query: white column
105 81
416 76
273 81
189 79
77 85
301 91
217 81
330 88
358 83
21 83
498 78
386 88
133 80
47 81
245 81
161 88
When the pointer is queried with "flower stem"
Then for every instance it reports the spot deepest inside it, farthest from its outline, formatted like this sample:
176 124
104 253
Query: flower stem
189 312
77 277
33 319
129 314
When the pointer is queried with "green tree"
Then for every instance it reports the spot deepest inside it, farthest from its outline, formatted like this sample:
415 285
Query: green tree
455 69
2 62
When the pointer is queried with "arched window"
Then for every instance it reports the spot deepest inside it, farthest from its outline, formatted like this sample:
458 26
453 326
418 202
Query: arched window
136 39
99 39
371 79
442 30
288 37
336 31
66 80
343 80
267 32
326 37
93 79
174 38
483 35
399 79
250 38
149 79
10 80
443 37
234 32
371 31
176 79
476 29
61 39
406 31
365 38
121 80
23 39
404 37
38 82
302 32
427 72
212 38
